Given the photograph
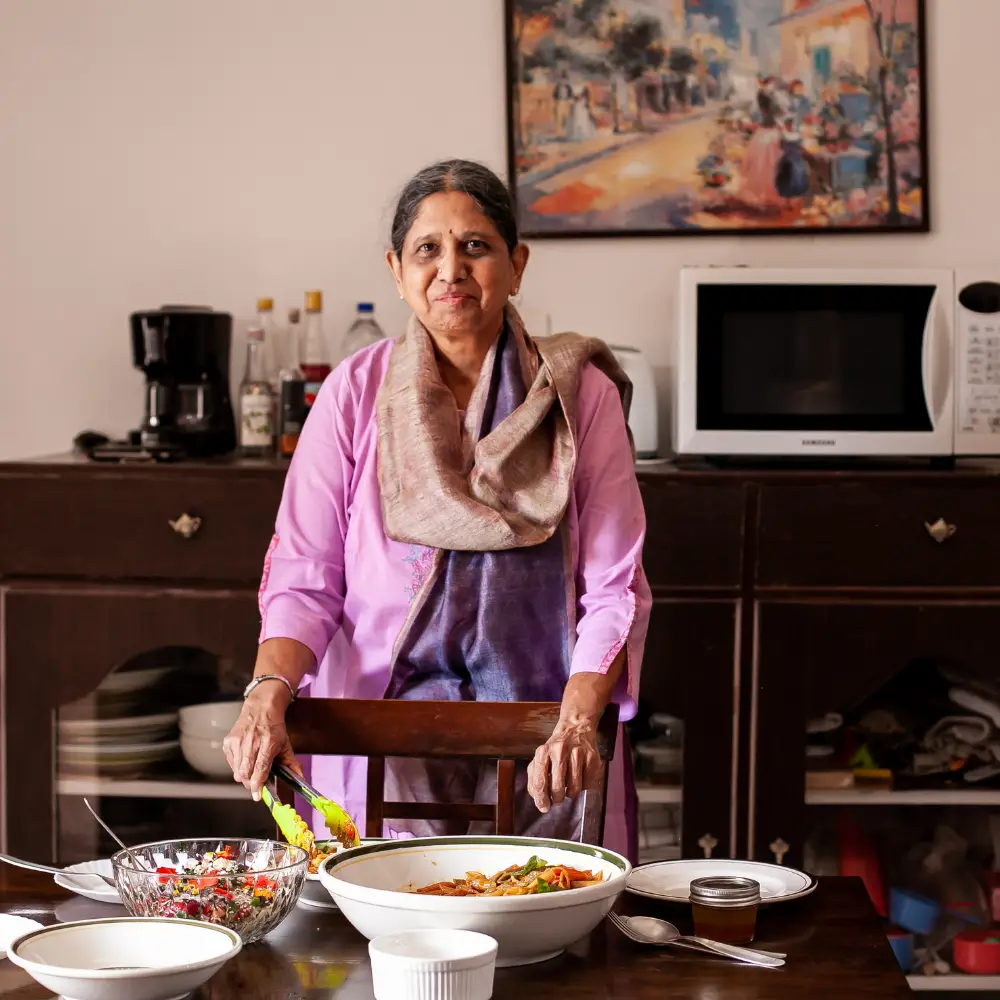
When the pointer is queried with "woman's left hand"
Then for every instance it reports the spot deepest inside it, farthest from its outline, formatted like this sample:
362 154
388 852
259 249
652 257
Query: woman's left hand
567 764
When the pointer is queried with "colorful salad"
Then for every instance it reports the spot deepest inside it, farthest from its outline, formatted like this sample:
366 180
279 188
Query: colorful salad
214 887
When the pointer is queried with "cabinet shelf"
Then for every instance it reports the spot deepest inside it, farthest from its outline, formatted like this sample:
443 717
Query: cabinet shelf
659 795
954 983
914 797
152 789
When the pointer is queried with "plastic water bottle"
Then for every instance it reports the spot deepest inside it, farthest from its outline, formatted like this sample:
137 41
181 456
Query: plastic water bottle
364 330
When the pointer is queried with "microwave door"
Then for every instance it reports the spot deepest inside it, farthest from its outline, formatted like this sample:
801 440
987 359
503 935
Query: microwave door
822 369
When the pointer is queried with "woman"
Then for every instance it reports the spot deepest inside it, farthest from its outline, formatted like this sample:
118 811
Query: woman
581 125
461 520
763 152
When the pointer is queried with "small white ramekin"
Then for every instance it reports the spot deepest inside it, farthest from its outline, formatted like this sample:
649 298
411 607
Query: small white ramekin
433 965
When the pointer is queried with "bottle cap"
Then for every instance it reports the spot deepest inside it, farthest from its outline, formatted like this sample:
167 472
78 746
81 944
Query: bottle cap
294 315
255 333
265 305
725 891
366 307
314 302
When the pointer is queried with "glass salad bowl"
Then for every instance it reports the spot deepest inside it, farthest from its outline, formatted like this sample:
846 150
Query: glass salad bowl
249 886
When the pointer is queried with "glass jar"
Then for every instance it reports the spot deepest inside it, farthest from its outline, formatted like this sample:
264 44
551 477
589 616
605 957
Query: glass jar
725 908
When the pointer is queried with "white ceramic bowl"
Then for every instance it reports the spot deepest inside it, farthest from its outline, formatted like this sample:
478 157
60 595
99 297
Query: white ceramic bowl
366 882
205 756
125 958
433 965
211 721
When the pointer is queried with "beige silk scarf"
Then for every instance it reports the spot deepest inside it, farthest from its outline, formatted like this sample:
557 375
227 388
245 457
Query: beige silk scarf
443 488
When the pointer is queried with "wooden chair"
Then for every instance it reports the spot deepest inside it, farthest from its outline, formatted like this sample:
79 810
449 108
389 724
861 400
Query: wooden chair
505 731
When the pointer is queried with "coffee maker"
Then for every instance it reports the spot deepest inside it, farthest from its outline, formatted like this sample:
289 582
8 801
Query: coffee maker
184 353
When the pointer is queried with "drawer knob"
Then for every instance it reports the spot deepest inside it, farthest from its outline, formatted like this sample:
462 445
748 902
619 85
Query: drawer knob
779 849
708 843
186 526
940 530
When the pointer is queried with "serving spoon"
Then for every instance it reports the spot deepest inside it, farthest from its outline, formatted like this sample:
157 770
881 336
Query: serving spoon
34 866
651 930
139 867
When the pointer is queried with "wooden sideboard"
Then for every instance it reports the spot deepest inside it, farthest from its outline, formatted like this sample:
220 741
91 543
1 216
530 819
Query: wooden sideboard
778 596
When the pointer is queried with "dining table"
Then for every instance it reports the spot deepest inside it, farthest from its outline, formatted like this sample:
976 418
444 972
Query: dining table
835 944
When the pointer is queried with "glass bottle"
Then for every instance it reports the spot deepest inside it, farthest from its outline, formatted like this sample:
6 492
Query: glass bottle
292 392
315 361
256 400
364 331
272 342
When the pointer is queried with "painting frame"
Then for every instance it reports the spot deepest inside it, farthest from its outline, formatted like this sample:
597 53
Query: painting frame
920 226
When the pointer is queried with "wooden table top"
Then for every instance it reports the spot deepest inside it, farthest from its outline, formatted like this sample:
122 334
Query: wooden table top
834 942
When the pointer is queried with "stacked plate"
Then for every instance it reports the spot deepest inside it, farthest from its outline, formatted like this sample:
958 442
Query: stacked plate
117 748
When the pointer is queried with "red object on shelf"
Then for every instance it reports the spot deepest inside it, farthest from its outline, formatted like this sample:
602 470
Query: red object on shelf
857 856
993 887
978 952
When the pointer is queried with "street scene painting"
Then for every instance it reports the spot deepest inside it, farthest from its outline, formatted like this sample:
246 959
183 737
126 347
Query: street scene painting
647 117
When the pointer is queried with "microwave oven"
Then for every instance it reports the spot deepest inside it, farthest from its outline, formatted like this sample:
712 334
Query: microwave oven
837 362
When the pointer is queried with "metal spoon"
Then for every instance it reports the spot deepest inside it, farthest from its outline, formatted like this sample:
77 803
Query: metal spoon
650 930
34 866
114 836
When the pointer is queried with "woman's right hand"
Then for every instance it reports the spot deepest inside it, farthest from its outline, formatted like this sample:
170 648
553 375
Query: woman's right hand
259 737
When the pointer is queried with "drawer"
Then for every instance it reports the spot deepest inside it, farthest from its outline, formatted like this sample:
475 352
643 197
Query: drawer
102 525
694 532
877 535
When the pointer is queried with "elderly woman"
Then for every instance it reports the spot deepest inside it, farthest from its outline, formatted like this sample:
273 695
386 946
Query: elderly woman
461 520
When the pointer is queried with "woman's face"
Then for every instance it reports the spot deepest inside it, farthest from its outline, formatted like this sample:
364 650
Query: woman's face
455 271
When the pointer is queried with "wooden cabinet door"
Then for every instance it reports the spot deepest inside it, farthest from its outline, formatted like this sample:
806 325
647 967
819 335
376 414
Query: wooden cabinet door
688 672
822 655
58 644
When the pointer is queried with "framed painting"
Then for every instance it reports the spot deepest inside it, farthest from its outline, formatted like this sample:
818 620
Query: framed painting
681 117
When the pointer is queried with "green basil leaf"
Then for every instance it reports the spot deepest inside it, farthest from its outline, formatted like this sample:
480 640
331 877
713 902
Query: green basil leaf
534 864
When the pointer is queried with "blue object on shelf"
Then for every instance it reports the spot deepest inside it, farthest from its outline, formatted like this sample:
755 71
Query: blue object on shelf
902 947
912 911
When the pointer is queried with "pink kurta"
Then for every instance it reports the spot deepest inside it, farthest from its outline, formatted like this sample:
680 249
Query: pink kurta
335 582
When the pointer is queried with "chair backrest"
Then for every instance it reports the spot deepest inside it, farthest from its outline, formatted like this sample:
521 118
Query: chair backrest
505 731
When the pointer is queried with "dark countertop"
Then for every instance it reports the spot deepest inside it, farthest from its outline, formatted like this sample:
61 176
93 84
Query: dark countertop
913 471
835 946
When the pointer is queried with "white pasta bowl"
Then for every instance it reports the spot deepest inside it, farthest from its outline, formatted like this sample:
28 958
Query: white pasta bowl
369 885
125 958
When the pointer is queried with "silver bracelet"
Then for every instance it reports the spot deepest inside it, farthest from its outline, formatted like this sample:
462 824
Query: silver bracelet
268 677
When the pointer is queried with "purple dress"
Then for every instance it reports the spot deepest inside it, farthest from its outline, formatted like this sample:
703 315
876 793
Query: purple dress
334 581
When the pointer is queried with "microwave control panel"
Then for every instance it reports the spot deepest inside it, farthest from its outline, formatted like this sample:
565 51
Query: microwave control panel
978 360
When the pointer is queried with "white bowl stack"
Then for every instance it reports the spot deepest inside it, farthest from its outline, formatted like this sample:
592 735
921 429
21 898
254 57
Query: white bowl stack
203 728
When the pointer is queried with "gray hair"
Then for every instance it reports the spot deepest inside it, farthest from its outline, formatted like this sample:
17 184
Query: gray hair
477 181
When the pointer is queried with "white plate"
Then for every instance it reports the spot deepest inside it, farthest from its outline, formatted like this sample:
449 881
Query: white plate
137 729
136 750
12 927
90 888
130 681
669 880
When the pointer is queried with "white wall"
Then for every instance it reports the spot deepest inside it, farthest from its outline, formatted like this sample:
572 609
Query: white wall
211 151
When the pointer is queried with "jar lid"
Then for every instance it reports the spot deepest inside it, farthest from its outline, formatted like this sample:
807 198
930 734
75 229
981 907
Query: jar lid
725 891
